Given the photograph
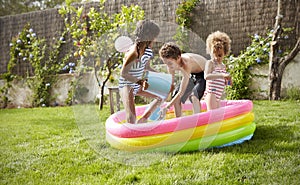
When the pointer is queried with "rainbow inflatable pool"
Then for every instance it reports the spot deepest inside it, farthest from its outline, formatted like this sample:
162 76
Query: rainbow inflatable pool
228 125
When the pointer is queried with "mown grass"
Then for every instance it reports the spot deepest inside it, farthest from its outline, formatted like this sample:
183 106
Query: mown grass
52 146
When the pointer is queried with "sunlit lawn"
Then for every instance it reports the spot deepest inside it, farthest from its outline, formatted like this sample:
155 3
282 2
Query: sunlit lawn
51 146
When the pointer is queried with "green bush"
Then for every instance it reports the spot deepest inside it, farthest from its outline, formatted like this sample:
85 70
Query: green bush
240 67
293 93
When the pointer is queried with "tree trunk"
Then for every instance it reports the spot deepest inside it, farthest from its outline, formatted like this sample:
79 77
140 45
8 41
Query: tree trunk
102 89
110 63
101 97
277 68
277 64
274 78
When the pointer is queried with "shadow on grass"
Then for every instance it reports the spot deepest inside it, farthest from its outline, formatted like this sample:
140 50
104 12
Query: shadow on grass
266 138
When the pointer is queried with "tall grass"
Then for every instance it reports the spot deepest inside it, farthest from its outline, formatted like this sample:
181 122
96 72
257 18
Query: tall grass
49 146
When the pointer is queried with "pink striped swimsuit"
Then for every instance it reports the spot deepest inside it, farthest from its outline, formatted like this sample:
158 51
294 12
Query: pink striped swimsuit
216 86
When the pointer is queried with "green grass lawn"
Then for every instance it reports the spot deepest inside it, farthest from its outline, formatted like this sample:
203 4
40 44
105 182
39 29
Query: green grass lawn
66 145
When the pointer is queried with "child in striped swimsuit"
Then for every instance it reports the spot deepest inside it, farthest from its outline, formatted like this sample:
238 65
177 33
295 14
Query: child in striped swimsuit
218 46
135 63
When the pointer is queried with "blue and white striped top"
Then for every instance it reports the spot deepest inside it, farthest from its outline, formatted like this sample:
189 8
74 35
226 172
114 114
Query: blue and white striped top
137 70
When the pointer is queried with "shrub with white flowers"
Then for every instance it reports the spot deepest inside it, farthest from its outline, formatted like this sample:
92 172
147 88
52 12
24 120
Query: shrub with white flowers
27 47
257 53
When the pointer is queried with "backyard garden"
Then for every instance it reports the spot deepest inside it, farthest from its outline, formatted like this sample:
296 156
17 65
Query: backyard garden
55 103
48 146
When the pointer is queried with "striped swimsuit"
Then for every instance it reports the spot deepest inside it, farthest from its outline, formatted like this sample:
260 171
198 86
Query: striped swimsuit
216 86
137 70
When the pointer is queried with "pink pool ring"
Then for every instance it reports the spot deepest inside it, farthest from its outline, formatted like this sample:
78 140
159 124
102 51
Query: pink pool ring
122 135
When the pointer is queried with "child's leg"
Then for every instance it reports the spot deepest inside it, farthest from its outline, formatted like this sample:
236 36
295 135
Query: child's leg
128 102
211 101
196 104
198 92
178 108
152 106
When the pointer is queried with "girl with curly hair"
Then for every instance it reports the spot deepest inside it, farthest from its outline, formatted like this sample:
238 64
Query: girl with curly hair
218 46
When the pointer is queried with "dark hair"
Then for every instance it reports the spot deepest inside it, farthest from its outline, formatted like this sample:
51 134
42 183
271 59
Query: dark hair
170 50
146 31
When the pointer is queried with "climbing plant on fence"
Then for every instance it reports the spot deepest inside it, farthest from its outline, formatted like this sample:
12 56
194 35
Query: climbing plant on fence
27 47
183 19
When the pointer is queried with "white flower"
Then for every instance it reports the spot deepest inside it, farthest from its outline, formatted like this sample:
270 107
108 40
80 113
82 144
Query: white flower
30 30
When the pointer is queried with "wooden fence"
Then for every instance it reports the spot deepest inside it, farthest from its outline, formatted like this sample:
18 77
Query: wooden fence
237 18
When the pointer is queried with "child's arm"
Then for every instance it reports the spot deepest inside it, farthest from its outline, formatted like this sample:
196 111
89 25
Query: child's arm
149 68
172 72
183 86
208 75
148 55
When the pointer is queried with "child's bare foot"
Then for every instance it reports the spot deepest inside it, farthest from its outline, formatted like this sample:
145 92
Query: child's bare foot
142 120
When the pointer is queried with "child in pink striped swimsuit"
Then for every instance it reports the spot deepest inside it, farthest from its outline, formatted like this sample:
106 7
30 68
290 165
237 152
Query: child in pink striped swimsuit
218 46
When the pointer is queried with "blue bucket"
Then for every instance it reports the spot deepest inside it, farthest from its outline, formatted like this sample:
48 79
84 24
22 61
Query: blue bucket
155 115
159 84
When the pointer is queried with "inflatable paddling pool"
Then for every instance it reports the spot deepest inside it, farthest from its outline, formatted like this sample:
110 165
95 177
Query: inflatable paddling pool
231 124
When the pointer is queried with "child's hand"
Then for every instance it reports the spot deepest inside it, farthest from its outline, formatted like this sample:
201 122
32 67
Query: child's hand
227 76
162 113
172 88
143 83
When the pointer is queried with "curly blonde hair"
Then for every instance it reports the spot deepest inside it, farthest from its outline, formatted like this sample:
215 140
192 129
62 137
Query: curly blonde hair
218 37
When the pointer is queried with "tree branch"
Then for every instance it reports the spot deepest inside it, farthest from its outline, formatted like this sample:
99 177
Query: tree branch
288 58
284 61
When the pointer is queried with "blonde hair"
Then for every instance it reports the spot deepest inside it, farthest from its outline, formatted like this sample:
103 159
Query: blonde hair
216 37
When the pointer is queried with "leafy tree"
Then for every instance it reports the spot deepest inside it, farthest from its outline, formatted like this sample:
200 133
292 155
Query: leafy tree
278 62
94 33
